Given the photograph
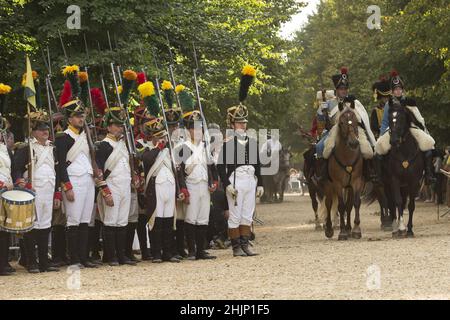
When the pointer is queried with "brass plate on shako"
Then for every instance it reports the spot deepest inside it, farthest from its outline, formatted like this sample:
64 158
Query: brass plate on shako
349 169
405 164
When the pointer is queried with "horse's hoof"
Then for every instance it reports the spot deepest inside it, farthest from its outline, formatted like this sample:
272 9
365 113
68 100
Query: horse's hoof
402 233
387 228
410 234
395 234
342 236
356 235
318 227
329 233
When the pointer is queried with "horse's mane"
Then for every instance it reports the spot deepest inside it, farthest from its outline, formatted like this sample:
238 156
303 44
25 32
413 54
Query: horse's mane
346 109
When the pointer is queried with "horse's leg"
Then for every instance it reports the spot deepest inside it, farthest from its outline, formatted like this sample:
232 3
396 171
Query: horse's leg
397 203
413 190
343 234
315 205
348 209
328 225
401 224
356 231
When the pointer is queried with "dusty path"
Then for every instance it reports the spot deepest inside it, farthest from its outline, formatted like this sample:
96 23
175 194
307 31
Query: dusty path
296 262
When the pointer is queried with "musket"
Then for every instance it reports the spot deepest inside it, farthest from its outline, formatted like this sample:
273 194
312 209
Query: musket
89 90
129 136
49 100
117 65
85 127
171 74
168 133
206 136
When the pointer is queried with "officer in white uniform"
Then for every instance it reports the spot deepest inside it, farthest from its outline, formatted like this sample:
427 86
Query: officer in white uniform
44 182
240 171
75 169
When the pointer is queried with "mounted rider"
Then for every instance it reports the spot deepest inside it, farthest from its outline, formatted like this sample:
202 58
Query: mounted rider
418 129
325 146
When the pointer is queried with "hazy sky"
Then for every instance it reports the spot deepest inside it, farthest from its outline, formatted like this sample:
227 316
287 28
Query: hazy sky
299 19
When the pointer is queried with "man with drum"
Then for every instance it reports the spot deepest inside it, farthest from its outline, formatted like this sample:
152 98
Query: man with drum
44 183
5 180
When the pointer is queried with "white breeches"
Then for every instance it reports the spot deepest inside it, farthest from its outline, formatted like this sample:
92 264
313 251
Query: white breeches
165 199
242 212
80 210
117 215
44 205
197 211
134 208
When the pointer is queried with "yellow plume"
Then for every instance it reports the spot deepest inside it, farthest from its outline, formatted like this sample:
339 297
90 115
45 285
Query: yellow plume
70 69
166 85
249 70
4 88
179 88
146 89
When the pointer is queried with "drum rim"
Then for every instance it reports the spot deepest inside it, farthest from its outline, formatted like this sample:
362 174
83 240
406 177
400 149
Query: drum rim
14 202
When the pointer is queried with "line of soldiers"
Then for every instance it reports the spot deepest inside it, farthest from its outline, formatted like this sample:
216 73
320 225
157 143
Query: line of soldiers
387 92
82 192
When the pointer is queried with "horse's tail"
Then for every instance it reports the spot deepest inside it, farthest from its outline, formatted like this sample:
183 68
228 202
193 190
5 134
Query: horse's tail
371 193
322 212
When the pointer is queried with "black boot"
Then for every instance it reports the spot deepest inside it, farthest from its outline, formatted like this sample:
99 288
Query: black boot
83 245
322 170
30 248
42 244
4 254
109 246
246 232
168 238
190 239
156 236
23 254
200 241
94 244
180 239
72 237
59 246
142 236
131 231
429 176
121 236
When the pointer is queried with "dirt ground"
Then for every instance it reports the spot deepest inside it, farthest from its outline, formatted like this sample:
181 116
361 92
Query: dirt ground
296 262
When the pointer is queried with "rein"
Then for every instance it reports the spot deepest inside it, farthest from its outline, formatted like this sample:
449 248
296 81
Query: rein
347 168
406 163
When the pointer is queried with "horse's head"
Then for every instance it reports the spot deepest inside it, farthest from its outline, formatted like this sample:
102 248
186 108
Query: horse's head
285 157
399 124
348 126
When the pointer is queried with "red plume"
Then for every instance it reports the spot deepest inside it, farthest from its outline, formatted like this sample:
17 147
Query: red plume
344 70
141 78
394 73
66 93
98 100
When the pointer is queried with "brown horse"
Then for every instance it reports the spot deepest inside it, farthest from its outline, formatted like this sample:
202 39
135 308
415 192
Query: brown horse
345 167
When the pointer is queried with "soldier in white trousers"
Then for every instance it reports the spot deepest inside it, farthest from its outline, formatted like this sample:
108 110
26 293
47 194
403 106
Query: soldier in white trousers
161 192
44 182
240 172
114 197
76 173
200 176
